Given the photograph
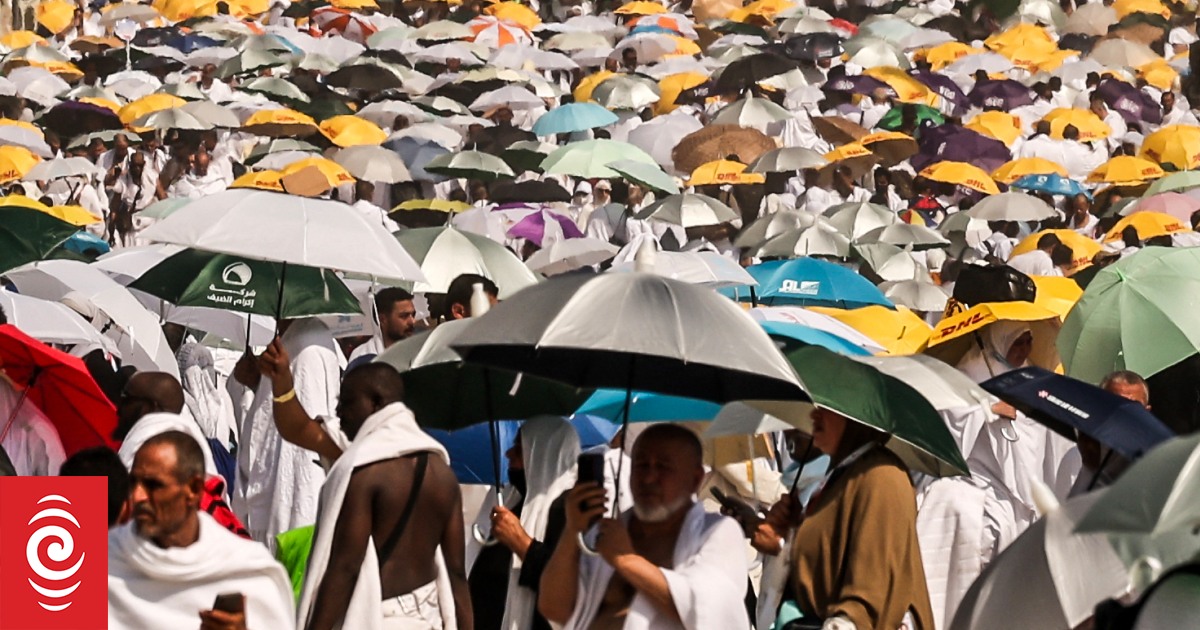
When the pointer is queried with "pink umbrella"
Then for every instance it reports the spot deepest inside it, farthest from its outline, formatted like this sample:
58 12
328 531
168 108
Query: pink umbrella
1178 205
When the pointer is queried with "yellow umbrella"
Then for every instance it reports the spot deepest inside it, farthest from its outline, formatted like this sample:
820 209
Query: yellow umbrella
1125 170
684 47
75 215
962 174
672 86
900 331
943 55
1176 148
1089 125
102 102
1016 169
1159 74
721 172
355 4
859 159
952 337
1038 58
1083 249
64 69
1056 294
8 122
352 131
280 123
515 12
892 147
1022 35
21 201
907 89
761 8
1148 225
15 162
261 180
1127 7
21 39
148 105
641 7
583 91
333 172
999 125
56 15
440 205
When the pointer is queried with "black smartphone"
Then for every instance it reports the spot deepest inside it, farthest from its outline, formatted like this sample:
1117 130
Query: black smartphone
743 512
591 468
230 603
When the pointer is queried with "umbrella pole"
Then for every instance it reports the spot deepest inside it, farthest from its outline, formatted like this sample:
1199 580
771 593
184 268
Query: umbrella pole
278 303
616 500
796 481
753 298
249 323
494 436
1095 477
17 407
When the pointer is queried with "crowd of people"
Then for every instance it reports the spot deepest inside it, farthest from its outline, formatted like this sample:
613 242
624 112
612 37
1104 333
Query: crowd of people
948 197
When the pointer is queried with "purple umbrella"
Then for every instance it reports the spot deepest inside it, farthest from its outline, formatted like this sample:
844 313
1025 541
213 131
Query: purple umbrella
950 142
1002 94
944 87
1132 104
857 84
534 227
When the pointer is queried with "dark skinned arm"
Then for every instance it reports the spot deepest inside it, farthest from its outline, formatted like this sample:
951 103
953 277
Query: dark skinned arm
351 536
291 420
454 553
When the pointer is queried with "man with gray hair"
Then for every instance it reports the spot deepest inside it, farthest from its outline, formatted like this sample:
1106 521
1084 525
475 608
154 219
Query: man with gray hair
1101 464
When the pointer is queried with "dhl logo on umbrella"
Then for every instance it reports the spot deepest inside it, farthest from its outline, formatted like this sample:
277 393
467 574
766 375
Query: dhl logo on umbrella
966 324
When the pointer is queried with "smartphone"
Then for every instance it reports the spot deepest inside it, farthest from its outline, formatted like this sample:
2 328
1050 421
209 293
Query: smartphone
742 511
230 603
591 468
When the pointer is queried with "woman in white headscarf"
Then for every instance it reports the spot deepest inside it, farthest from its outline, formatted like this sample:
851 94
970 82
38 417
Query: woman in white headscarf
209 405
542 468
1005 347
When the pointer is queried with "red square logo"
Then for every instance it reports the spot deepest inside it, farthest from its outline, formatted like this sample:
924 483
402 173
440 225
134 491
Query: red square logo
53 553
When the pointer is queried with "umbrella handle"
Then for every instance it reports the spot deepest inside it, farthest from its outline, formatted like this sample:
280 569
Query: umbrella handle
484 539
583 546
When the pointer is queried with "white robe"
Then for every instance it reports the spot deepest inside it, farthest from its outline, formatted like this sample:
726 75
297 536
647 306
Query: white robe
707 580
209 405
389 433
151 587
278 482
31 442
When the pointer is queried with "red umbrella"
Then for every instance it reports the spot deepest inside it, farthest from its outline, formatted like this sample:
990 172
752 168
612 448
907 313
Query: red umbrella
59 385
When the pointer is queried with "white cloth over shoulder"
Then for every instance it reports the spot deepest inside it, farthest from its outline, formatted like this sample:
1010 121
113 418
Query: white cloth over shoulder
389 433
707 580
151 587
153 424
31 442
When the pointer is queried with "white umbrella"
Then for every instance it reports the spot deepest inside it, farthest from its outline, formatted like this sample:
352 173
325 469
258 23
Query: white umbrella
373 164
38 84
284 228
61 168
818 239
1012 206
134 329
891 263
514 97
856 219
51 322
741 419
384 113
917 295
813 319
626 92
446 253
15 135
878 53
172 118
433 131
786 160
756 112
660 135
484 222
517 56
689 210
1119 53
772 225
565 255
1091 19
905 235
708 269
211 113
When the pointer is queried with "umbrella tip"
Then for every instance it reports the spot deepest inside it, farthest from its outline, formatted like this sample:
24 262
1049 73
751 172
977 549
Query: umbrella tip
645 258
480 304
1043 498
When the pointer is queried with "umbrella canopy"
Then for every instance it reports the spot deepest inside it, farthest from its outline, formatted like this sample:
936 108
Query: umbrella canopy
706 268
373 164
1012 206
918 295
647 175
867 396
962 174
1175 148
1136 314
445 253
27 234
1152 496
632 330
900 234
1053 184
786 160
723 172
590 158
573 117
308 232
689 210
444 392
812 282
543 226
1148 224
718 142
1125 170
196 278
50 322
470 165
898 330
818 239
857 219
561 256
1022 168
60 386
1181 181
953 336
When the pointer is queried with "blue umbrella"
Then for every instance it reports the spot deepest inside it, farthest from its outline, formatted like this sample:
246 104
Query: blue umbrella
1052 184
813 337
1066 405
470 449
189 42
810 282
647 407
416 153
653 28
573 117
84 243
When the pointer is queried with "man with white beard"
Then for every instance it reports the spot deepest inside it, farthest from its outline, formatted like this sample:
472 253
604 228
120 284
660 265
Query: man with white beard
665 564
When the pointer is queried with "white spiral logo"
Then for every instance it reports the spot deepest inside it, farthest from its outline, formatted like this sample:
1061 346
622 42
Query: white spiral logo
59 551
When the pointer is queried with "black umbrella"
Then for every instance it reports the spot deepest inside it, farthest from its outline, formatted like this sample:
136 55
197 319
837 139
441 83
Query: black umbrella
75 118
531 191
744 73
813 46
365 76
496 139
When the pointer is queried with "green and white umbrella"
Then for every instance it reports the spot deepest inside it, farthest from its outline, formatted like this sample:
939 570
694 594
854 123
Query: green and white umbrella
856 219
625 91
373 164
786 160
444 253
818 239
1141 314
590 158
648 175
27 235
197 278
470 165
689 210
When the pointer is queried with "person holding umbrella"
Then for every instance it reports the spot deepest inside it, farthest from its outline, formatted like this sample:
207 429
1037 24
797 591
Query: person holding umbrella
1101 465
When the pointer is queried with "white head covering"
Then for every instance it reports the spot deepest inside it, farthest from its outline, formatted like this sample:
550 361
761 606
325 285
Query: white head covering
550 447
212 411
984 363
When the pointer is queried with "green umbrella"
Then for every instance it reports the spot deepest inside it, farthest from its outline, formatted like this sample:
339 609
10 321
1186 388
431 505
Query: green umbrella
276 88
868 396
1140 314
197 278
27 235
589 158
163 208
1183 180
891 120
446 393
648 175
470 165
527 155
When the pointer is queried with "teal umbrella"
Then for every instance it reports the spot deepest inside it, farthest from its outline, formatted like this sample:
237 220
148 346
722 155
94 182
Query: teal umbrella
197 278
649 175
27 235
864 394
589 158
925 114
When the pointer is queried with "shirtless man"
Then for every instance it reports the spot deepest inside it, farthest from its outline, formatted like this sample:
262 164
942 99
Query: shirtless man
373 506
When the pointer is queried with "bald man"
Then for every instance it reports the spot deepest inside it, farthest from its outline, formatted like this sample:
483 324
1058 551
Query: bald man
145 393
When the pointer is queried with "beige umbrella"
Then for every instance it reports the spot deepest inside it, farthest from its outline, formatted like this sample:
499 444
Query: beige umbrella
819 239
1120 53
917 295
373 164
772 225
1091 19
689 210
